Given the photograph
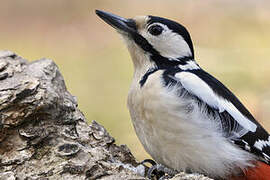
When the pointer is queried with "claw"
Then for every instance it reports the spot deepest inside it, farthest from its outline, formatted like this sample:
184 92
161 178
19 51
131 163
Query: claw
158 171
165 177
150 161
155 171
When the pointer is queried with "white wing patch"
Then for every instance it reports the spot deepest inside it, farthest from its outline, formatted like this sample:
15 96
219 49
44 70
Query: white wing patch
199 88
260 144
191 65
266 156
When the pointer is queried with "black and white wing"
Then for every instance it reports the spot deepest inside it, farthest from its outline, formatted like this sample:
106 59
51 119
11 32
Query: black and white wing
237 121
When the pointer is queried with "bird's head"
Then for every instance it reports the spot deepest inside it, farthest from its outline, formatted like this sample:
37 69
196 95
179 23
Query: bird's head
149 38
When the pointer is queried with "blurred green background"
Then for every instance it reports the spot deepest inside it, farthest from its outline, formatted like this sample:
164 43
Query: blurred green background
231 38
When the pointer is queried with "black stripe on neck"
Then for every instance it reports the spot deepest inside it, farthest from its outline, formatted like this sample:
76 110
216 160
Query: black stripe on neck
161 62
145 76
165 63
169 65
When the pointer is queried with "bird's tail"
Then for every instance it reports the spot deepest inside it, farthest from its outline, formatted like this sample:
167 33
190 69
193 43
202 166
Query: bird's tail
260 172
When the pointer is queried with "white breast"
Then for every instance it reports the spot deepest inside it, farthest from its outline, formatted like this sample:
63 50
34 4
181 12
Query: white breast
179 134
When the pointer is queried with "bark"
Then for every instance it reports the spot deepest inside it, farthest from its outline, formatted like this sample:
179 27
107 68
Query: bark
43 134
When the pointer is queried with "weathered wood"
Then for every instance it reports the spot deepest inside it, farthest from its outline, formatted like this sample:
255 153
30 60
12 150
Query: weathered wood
43 134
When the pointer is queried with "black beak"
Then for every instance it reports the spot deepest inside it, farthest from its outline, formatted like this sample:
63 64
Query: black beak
119 23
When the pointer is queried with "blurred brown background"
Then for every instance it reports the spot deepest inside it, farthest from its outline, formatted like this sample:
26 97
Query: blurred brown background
231 38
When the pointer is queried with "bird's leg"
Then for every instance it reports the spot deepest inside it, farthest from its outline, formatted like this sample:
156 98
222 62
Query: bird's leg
159 171
154 172
150 161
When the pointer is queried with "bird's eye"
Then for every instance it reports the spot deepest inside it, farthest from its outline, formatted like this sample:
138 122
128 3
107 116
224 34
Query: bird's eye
155 30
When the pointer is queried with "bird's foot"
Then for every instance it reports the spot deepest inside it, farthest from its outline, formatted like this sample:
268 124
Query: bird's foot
161 172
158 171
150 161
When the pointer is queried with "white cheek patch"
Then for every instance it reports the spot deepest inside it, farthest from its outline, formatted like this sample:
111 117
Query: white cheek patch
169 44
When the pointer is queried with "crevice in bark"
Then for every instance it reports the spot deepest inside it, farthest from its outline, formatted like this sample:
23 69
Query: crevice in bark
43 134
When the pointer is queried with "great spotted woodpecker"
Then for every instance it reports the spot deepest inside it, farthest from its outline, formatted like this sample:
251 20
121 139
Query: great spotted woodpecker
185 118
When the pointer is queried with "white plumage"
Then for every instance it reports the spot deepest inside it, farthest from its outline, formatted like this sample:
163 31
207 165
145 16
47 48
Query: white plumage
169 44
184 117
176 132
199 88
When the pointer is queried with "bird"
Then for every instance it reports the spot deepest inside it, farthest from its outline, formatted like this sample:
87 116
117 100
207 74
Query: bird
185 118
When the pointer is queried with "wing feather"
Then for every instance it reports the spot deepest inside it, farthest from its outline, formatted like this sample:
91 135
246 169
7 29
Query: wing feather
199 88
237 122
